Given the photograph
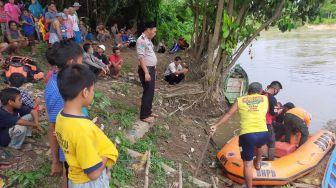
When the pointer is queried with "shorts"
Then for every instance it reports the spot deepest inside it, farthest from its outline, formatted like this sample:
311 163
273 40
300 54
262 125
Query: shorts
101 182
249 142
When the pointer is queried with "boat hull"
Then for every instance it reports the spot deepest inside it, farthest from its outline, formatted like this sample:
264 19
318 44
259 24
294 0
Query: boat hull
329 179
235 84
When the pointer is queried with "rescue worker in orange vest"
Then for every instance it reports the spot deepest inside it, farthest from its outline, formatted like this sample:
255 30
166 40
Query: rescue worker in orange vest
271 90
252 110
296 120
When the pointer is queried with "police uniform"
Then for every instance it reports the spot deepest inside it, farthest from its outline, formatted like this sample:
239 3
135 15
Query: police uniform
145 50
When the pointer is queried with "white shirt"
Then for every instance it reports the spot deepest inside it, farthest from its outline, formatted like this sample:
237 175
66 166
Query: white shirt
145 50
172 68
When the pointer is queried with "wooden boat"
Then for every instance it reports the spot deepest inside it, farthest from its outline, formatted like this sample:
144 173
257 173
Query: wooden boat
329 179
282 170
235 84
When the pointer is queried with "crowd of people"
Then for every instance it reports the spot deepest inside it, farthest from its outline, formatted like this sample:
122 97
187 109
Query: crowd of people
68 92
23 24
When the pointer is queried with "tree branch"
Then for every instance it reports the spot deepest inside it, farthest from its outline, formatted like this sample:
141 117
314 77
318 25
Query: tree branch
241 14
204 27
256 33
219 17
230 8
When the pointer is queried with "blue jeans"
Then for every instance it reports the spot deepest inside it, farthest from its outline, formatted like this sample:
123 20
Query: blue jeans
18 133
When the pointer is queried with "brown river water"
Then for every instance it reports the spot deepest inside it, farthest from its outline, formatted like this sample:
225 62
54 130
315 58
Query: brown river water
304 61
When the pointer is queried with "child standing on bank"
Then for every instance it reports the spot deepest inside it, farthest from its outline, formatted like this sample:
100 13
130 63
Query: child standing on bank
87 149
58 56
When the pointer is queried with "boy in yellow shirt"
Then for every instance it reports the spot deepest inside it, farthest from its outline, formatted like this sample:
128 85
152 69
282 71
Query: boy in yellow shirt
88 151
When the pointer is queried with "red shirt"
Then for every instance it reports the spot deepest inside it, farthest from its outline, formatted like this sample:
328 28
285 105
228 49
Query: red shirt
115 59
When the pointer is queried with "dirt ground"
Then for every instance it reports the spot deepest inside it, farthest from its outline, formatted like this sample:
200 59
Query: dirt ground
187 129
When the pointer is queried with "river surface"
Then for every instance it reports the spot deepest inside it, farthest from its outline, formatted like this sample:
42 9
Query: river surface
304 61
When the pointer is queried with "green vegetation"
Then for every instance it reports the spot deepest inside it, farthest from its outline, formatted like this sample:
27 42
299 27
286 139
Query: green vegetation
327 13
30 178
122 173
175 21
126 68
120 88
110 110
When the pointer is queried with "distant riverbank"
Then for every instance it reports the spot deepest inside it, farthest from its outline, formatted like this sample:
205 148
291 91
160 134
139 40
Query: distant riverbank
322 27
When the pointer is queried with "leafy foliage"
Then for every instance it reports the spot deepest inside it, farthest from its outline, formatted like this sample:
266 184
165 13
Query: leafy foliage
327 13
258 13
123 114
30 178
175 20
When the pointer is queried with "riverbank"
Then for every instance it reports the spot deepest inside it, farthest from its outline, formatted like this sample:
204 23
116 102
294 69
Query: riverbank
322 27
177 137
174 139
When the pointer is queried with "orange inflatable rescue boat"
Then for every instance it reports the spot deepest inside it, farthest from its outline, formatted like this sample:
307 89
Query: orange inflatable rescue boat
282 170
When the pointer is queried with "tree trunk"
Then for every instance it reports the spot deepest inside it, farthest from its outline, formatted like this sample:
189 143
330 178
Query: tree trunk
200 48
196 26
212 46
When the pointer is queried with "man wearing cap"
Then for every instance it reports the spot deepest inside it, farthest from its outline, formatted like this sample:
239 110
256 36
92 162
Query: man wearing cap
100 54
57 29
271 90
252 110
147 73
296 120
76 29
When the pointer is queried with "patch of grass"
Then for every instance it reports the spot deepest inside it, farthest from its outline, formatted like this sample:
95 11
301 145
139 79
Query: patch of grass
121 173
127 67
124 114
126 118
149 142
117 104
122 88
30 178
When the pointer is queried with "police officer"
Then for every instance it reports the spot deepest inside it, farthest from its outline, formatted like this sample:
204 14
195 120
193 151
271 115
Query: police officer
147 63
